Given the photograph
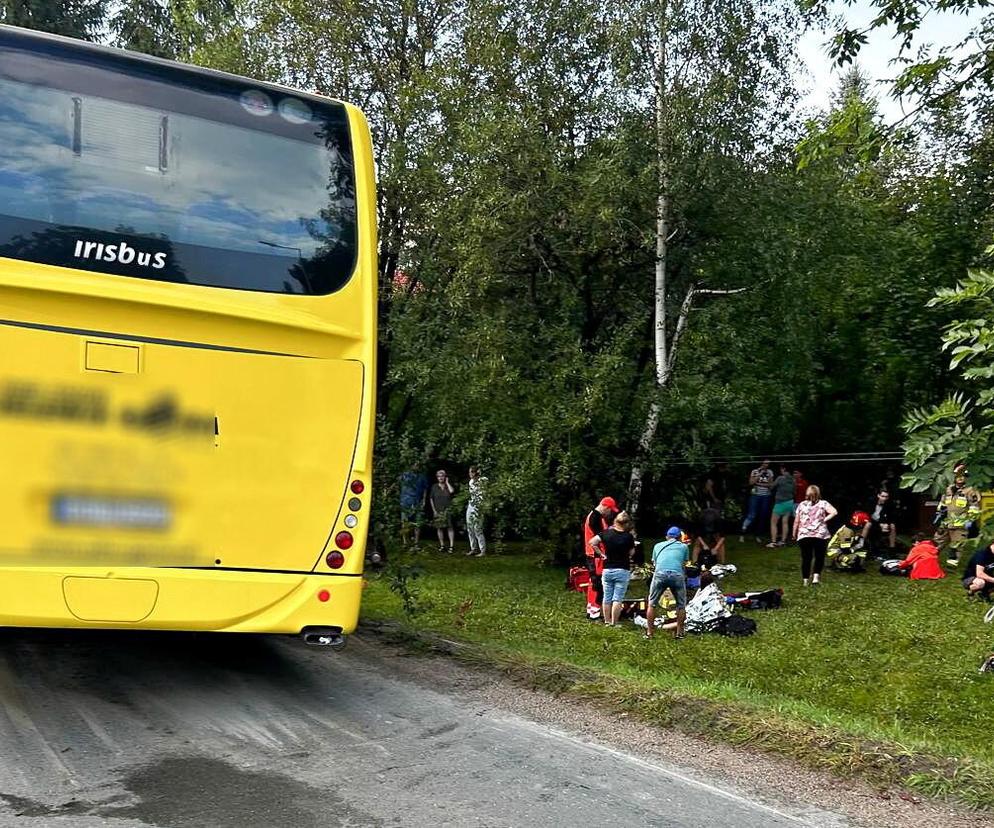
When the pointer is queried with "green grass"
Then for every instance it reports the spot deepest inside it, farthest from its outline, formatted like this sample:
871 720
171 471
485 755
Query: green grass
862 671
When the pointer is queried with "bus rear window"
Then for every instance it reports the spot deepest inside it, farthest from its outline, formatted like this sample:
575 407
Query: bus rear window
146 170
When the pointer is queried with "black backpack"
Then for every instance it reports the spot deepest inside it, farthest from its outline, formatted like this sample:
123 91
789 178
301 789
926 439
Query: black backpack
736 626
765 600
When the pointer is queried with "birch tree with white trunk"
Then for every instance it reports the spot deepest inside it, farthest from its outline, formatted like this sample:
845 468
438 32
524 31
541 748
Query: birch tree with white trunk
714 73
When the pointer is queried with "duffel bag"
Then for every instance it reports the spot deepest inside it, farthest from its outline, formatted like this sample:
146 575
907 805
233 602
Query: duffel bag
735 626
578 579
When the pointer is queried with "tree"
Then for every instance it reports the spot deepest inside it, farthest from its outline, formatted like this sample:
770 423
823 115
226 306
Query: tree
960 429
933 79
852 133
72 18
721 85
175 29
500 354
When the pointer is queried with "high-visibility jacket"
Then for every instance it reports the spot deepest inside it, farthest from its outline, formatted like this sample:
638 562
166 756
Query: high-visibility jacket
843 540
593 524
961 505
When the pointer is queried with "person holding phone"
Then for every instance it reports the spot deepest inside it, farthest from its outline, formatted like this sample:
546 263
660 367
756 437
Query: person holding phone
440 498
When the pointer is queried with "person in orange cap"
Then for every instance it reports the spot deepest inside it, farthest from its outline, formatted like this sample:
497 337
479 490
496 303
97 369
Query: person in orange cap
597 520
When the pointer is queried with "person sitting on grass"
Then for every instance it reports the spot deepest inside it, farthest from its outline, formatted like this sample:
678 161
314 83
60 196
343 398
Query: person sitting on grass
709 549
668 559
978 577
923 560
880 526
709 546
616 547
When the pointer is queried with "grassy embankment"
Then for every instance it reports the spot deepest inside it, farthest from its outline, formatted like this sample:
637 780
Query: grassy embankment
865 674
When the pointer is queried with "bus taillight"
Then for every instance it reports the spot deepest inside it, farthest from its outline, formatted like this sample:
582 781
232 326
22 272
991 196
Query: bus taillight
358 487
335 559
343 540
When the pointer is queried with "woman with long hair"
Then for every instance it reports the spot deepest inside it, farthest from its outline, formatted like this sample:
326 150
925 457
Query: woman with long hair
811 533
616 546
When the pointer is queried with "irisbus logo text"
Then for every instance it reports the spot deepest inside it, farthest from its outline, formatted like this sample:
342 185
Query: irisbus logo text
121 253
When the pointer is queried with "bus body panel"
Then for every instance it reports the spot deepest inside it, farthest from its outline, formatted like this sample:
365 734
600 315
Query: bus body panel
176 599
249 454
368 276
181 456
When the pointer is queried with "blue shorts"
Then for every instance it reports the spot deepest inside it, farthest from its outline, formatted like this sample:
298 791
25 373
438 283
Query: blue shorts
615 583
665 579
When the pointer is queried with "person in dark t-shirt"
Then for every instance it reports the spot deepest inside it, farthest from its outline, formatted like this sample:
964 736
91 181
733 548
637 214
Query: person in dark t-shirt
616 547
881 526
978 577
440 498
716 486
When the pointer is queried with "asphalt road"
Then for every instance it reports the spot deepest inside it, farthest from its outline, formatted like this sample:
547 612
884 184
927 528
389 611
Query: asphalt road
170 730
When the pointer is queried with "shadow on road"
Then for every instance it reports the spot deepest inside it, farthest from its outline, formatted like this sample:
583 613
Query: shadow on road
109 664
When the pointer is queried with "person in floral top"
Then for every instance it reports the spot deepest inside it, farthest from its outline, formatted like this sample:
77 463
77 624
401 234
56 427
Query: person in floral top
812 534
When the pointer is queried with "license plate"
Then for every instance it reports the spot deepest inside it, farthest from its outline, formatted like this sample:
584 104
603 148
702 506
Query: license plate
126 513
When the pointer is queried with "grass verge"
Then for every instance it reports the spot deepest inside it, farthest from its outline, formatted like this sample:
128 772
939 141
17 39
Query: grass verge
866 676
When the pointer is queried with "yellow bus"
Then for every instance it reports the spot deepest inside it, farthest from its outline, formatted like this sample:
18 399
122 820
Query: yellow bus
187 346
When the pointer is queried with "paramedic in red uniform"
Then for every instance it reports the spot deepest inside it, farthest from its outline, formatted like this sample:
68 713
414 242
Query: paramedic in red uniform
599 519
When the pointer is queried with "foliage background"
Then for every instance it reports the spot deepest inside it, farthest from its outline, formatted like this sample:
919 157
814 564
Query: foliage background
517 171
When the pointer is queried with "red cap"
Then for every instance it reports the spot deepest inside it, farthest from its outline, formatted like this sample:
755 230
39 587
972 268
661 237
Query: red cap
608 503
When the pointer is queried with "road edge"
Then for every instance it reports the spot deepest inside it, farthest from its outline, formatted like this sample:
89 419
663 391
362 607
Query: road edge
879 764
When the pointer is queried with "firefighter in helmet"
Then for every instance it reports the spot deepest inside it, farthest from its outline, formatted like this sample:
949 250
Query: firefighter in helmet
957 516
846 549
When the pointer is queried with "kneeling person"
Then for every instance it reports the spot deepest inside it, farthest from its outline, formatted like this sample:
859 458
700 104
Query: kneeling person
923 560
846 549
978 578
668 559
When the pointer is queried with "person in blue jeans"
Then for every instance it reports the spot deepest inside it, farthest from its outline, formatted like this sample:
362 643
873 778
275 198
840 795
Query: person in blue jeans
413 490
616 547
668 559
760 497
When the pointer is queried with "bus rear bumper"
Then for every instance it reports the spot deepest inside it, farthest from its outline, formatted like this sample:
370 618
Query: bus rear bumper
213 600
